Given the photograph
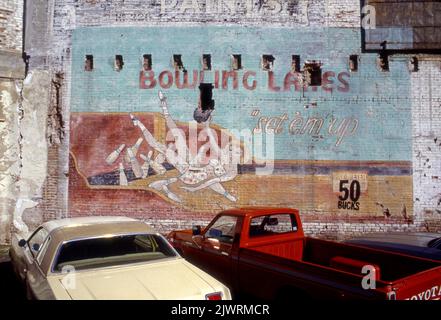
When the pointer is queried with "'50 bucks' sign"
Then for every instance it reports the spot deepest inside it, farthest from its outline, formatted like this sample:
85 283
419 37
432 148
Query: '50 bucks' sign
349 186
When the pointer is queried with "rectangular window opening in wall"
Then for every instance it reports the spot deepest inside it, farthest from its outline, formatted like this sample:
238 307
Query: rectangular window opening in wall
119 62
353 63
147 62
295 63
206 103
383 62
177 62
236 62
88 63
413 64
206 62
268 62
313 73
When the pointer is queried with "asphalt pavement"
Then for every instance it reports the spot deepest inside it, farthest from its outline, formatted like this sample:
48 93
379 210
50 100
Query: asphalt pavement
12 289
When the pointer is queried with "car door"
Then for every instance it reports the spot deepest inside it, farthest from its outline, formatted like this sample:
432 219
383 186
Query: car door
36 283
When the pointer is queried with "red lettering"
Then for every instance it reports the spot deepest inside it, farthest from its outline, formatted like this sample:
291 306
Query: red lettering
168 84
292 78
271 84
226 75
145 76
185 85
245 80
344 82
216 79
166 79
327 82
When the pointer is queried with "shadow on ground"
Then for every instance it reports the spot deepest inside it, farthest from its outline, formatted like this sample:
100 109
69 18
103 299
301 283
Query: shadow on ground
11 287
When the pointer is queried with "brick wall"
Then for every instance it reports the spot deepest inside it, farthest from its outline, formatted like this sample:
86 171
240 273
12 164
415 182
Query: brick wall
426 103
423 96
11 24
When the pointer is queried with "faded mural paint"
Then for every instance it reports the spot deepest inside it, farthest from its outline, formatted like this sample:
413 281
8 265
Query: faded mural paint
342 149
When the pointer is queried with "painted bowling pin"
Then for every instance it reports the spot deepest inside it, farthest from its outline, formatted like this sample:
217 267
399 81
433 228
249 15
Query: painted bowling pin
122 176
115 154
134 163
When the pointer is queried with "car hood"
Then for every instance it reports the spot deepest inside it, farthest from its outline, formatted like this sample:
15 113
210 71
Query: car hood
165 280
418 239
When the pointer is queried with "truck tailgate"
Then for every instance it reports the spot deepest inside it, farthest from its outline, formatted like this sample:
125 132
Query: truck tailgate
425 285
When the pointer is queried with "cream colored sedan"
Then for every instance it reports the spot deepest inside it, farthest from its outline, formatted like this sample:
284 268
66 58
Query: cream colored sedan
107 258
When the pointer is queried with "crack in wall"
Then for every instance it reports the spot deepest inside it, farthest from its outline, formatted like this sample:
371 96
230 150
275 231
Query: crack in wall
56 123
20 116
18 222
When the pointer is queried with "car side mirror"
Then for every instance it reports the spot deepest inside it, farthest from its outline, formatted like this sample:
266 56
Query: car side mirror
22 243
196 230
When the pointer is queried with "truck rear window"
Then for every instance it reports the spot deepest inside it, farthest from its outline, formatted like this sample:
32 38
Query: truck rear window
273 224
111 251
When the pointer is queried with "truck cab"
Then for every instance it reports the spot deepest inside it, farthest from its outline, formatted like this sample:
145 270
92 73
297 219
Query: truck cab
216 247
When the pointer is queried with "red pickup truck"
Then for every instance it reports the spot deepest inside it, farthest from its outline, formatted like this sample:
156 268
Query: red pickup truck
263 253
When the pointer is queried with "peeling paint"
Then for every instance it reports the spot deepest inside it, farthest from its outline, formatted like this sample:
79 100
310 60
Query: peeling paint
9 153
23 149
56 123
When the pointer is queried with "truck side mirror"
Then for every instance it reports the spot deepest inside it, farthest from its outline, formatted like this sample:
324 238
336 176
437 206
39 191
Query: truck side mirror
214 242
22 243
196 230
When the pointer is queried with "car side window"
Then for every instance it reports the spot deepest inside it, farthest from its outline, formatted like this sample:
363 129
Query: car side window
43 249
36 241
223 229
273 224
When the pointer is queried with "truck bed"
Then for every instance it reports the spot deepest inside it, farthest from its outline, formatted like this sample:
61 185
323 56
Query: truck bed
315 271
393 266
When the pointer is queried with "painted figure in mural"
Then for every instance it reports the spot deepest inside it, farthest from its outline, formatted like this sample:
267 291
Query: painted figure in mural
224 169
196 175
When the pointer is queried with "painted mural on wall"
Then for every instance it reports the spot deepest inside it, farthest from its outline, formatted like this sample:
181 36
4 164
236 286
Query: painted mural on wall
196 171
203 119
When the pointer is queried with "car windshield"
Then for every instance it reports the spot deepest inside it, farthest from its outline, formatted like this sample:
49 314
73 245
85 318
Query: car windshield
112 251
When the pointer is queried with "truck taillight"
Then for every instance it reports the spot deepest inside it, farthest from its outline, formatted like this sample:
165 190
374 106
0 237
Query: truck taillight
214 296
391 295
